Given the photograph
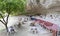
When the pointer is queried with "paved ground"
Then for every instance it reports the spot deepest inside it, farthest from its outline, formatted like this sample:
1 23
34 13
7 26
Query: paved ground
24 31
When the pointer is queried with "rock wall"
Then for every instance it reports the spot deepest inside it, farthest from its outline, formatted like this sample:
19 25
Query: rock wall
46 6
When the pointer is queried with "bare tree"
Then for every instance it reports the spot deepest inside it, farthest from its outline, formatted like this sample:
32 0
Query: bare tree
4 21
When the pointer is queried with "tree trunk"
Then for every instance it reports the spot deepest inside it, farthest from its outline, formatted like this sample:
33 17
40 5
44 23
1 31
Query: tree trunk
6 27
7 23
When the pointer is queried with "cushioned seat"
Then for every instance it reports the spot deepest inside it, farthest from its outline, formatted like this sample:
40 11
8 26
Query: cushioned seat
41 21
48 24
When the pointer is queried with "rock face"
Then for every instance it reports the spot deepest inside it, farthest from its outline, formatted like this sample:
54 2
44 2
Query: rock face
43 7
34 6
52 6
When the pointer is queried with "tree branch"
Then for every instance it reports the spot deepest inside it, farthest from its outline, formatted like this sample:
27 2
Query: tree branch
2 21
7 18
2 17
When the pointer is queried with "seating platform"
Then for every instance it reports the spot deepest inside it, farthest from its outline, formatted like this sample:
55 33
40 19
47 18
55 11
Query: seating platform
48 25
